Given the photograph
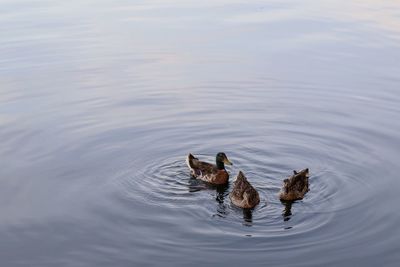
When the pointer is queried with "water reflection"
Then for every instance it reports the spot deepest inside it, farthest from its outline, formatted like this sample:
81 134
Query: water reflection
196 185
221 190
287 212
221 193
248 217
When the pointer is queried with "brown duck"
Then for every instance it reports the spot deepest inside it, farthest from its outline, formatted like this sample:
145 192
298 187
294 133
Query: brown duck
214 174
295 187
243 194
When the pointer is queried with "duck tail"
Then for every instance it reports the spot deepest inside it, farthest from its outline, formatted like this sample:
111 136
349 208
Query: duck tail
189 161
241 175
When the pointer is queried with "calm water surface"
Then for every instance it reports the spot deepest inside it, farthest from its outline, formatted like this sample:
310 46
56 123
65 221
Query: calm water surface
100 101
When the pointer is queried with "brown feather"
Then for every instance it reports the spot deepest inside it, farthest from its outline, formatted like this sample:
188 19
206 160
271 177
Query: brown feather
244 195
206 171
295 187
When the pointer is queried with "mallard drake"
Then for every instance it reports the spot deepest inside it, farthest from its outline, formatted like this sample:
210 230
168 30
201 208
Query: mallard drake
214 174
295 187
243 194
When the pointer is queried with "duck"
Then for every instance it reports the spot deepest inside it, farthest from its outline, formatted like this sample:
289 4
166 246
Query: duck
295 187
210 173
243 194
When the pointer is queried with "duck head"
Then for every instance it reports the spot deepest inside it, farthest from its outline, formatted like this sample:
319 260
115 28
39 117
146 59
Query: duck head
221 159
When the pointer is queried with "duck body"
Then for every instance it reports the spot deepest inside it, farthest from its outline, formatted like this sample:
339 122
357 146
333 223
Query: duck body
243 194
295 187
210 173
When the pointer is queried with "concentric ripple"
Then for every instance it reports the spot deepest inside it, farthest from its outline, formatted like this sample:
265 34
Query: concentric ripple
164 182
341 156
167 184
100 104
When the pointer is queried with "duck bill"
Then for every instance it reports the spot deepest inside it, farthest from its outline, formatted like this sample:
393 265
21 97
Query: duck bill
227 162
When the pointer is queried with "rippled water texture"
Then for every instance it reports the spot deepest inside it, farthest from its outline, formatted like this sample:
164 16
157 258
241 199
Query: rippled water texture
100 102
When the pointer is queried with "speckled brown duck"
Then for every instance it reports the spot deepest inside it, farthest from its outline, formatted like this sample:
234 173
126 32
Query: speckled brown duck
243 194
213 174
295 187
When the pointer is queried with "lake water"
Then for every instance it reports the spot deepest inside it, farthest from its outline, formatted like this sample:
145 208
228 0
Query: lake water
100 102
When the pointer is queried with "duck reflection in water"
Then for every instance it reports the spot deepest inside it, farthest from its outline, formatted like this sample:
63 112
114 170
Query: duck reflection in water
287 212
248 217
197 185
221 193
